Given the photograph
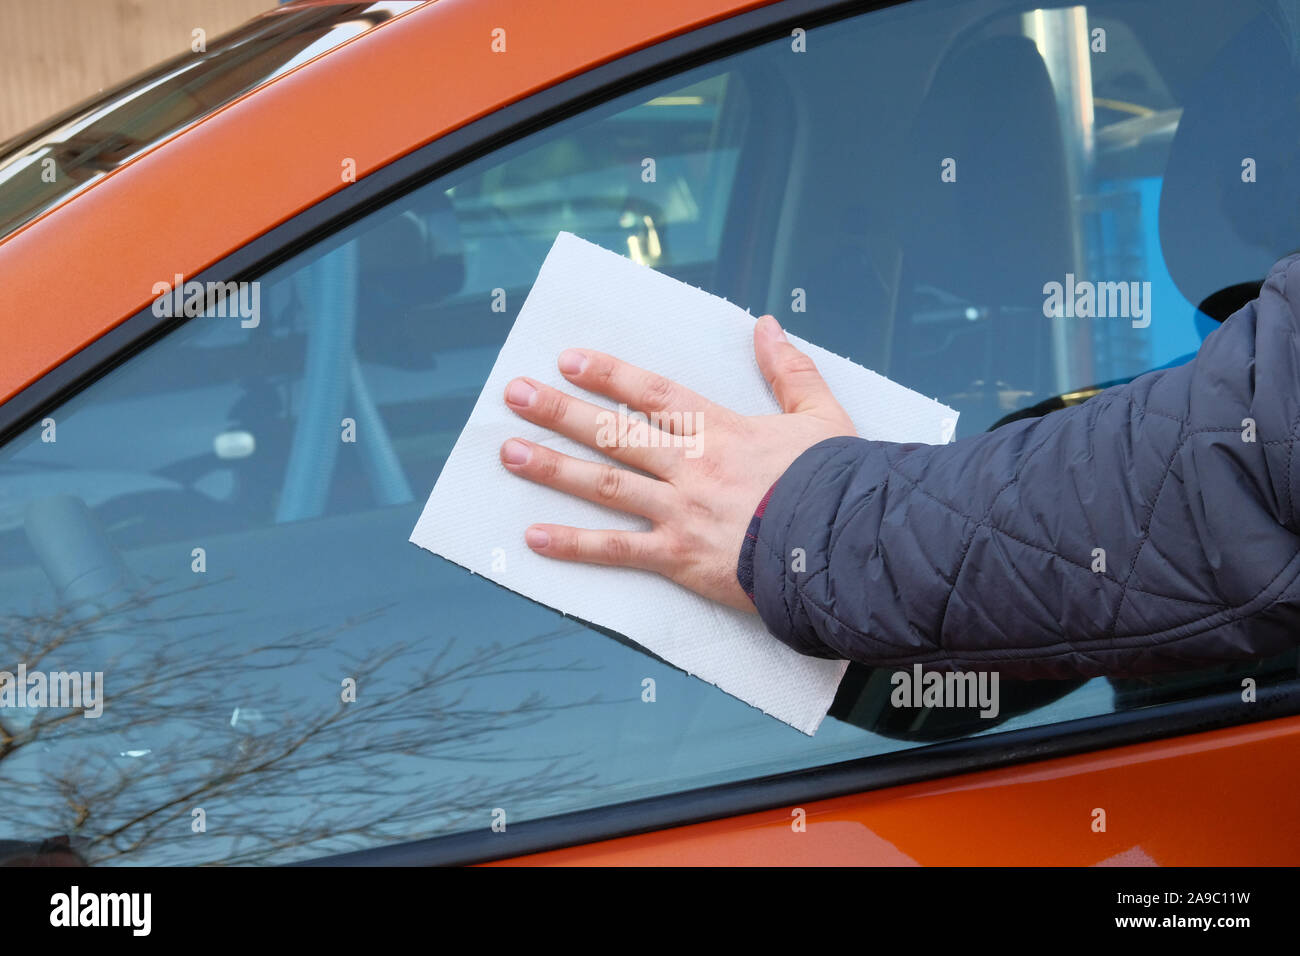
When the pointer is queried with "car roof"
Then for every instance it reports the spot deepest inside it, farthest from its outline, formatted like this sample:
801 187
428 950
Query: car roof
78 269
44 166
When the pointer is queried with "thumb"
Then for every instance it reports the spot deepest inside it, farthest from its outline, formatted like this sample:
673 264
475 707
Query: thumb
794 378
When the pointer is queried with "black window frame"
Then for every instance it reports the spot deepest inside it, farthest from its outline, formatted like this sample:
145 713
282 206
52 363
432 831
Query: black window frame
318 227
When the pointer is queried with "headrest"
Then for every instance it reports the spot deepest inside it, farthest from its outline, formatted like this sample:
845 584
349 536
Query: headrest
1241 121
1004 223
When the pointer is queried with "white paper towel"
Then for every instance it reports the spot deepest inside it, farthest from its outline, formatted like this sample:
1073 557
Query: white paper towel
588 297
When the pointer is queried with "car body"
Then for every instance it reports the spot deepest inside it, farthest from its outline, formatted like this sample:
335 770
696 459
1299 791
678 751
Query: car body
182 467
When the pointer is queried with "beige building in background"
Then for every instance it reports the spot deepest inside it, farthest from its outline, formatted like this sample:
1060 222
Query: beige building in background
54 53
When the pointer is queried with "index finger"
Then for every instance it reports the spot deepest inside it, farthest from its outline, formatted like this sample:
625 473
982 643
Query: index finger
680 410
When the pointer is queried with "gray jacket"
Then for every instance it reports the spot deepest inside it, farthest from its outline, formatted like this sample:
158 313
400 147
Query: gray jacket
1152 528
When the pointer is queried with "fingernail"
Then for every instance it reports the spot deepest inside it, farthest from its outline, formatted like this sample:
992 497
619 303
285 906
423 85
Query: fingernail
537 538
572 362
515 452
520 392
771 328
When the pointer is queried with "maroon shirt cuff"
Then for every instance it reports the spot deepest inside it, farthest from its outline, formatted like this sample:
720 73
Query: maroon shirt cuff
745 567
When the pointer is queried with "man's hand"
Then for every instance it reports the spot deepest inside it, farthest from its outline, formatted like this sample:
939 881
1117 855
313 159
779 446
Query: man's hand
707 479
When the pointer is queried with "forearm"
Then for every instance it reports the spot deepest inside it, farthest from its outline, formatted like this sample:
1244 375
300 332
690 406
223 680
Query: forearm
1142 531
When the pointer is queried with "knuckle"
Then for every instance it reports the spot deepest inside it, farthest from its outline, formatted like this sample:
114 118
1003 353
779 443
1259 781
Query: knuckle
728 424
656 393
548 466
698 510
565 542
638 434
796 363
679 550
708 466
616 549
552 404
601 371
609 483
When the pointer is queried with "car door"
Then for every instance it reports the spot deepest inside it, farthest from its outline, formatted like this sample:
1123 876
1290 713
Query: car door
215 528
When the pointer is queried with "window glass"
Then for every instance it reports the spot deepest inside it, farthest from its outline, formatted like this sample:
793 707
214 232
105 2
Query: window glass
285 676
43 166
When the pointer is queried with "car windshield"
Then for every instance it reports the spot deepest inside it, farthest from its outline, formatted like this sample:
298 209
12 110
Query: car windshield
45 165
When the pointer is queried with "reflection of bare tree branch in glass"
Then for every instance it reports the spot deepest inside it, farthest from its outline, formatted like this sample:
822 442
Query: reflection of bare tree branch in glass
312 774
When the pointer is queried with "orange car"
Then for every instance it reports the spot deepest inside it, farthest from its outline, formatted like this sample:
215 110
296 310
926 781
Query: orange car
249 298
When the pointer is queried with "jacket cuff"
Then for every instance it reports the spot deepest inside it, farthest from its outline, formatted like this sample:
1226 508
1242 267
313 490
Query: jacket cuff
777 562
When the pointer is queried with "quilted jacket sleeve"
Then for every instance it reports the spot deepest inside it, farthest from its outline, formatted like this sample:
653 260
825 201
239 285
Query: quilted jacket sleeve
1152 528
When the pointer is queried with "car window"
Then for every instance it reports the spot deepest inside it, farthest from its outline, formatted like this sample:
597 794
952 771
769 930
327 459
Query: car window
219 526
